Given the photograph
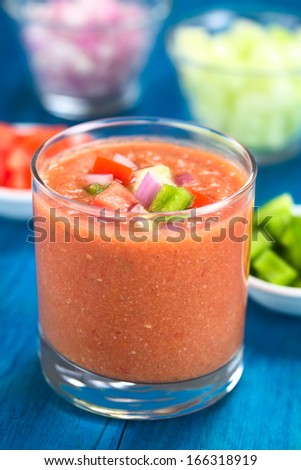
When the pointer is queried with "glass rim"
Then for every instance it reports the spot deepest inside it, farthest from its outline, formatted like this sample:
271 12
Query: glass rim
159 12
241 12
144 120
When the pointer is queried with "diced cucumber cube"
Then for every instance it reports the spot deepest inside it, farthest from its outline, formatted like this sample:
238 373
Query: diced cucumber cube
279 210
297 283
259 244
291 241
95 188
271 268
171 199
297 222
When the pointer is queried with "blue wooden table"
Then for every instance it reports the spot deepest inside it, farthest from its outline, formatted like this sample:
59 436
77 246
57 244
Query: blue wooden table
263 412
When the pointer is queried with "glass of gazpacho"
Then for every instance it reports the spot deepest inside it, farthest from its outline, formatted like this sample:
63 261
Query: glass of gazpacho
142 235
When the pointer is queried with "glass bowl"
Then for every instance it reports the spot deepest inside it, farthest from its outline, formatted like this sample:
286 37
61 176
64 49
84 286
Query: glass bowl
241 73
87 57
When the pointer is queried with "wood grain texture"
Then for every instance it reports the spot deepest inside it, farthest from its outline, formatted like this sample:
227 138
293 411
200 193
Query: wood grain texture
263 412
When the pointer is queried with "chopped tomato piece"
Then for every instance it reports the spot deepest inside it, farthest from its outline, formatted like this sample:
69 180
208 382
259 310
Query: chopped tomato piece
18 159
17 147
105 166
18 169
115 197
7 137
200 199
19 180
2 170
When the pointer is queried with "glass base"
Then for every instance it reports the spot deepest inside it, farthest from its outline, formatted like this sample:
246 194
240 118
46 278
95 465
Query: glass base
127 400
79 108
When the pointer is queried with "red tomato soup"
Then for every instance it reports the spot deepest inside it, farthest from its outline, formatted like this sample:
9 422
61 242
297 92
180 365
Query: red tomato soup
154 310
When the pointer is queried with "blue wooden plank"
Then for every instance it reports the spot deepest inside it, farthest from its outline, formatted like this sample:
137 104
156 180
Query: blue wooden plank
111 435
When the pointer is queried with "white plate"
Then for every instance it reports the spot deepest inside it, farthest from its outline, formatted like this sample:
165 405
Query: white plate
278 298
15 203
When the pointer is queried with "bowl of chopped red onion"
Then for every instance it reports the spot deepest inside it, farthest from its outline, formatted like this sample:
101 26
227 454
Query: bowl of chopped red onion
87 56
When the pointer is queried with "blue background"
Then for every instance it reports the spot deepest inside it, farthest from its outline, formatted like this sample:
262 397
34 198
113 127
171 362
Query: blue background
263 412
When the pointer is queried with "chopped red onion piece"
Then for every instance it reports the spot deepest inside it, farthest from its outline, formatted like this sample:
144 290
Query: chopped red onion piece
147 190
183 179
103 180
118 158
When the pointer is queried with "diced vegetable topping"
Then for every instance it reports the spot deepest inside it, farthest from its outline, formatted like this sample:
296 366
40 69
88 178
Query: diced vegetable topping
161 173
95 189
147 190
171 199
200 199
277 261
102 180
115 197
115 185
105 166
124 161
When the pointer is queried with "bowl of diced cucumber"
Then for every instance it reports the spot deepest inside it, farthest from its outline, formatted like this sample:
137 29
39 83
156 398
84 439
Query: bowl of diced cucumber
275 279
240 72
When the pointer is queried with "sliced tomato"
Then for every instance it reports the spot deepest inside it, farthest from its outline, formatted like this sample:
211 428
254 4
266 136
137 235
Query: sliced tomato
105 166
115 197
200 199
